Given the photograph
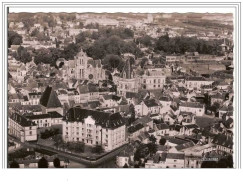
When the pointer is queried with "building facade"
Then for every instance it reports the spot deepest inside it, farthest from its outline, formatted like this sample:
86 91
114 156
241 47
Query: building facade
94 128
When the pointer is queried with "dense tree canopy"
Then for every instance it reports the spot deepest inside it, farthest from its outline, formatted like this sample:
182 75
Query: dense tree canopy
112 45
22 55
112 61
14 38
182 44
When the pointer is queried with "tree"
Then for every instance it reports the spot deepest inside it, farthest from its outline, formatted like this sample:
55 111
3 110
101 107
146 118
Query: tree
141 152
152 139
34 33
43 55
70 51
14 38
79 147
14 164
98 149
28 22
132 111
125 166
152 148
162 141
42 37
146 40
42 163
80 38
56 162
112 61
144 61
23 55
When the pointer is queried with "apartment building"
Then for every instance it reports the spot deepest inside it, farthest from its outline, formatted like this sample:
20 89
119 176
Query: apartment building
94 128
22 128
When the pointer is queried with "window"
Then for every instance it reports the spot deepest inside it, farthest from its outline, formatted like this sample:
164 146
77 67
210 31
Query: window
30 132
175 160
174 166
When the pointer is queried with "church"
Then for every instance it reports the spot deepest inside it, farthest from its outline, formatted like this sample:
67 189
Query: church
86 68
127 82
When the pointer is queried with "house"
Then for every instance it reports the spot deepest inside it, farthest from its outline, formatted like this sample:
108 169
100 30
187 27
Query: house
165 101
167 159
218 98
193 107
46 120
162 129
197 82
186 118
94 128
110 100
22 128
152 79
195 153
225 110
146 107
126 156
188 129
135 130
223 85
88 92
34 98
49 101
145 120
169 117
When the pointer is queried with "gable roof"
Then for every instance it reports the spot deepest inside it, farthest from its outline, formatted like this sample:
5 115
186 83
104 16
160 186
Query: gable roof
23 121
191 105
150 103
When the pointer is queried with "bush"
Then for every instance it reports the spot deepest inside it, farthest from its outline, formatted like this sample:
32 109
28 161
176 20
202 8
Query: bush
97 149
49 133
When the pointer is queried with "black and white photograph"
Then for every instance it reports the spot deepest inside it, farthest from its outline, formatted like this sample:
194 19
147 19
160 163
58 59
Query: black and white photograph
120 97
120 90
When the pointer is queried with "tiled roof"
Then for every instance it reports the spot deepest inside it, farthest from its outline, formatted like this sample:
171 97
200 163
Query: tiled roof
23 121
162 126
135 128
191 104
150 103
143 120
196 79
175 156
104 119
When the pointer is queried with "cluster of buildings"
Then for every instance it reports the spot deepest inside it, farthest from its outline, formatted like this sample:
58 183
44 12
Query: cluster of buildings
191 111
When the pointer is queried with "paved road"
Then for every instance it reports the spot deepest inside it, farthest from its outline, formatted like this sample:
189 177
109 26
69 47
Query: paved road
77 158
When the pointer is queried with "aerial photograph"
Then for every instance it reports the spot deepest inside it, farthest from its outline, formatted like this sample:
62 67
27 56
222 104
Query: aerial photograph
120 90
